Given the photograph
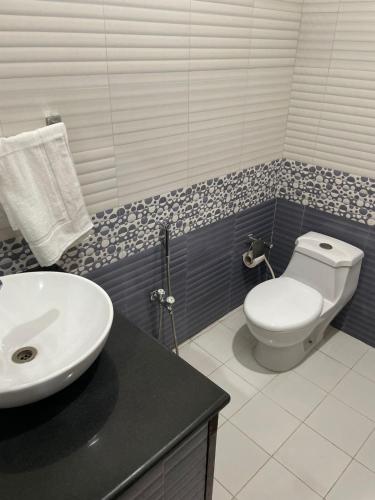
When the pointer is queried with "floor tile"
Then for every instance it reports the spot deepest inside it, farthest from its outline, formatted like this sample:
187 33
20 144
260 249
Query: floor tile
357 483
199 358
344 348
206 329
322 370
275 482
235 320
357 392
240 391
366 454
237 458
294 393
313 459
217 341
366 365
244 364
220 493
221 420
265 422
341 425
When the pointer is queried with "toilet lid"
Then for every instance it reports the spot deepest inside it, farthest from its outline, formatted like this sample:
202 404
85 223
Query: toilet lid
283 304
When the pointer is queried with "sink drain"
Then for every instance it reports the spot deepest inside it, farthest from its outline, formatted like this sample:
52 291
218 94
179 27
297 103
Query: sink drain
24 355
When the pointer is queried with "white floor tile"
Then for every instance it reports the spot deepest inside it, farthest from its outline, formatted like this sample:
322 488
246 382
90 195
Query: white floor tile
357 483
220 493
341 425
322 370
366 365
217 341
240 391
366 454
274 482
237 458
265 422
209 327
244 364
344 348
221 420
294 393
358 392
235 320
200 359
316 461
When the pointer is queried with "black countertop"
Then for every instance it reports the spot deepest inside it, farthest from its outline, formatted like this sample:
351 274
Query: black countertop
96 437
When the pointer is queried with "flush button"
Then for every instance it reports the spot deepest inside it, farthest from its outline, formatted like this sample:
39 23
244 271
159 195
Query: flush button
326 246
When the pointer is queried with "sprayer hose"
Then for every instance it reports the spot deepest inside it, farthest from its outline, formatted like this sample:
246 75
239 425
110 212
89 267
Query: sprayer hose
269 267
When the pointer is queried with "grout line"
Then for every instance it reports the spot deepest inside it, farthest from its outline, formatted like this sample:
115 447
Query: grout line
272 456
212 355
301 422
253 476
298 40
295 475
229 493
337 480
285 465
243 378
355 409
319 386
362 445
259 445
110 101
363 465
335 444
239 409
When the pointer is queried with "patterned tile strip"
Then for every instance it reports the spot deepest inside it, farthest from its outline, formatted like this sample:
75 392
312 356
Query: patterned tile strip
125 231
333 191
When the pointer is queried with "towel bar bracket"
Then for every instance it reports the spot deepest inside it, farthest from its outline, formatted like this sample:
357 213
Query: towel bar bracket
51 119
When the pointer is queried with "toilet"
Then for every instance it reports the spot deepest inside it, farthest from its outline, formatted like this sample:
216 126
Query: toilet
288 315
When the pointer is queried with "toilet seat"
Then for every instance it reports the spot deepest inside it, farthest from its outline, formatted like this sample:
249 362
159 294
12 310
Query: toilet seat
283 304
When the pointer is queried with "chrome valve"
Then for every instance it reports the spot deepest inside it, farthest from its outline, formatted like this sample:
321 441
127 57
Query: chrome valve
160 296
170 302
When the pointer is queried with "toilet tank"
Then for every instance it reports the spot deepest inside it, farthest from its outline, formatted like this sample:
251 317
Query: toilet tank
329 265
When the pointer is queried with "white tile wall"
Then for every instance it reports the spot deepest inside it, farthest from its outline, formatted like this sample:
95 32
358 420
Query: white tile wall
332 108
161 94
155 94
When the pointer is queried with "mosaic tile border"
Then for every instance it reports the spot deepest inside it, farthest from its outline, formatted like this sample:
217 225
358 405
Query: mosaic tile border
333 191
127 230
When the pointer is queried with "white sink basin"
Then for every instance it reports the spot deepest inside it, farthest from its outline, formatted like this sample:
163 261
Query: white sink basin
52 328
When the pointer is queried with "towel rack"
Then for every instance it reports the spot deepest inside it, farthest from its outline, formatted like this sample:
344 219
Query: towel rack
51 119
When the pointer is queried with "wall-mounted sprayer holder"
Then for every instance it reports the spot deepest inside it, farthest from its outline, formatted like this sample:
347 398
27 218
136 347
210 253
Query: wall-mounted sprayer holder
163 297
52 119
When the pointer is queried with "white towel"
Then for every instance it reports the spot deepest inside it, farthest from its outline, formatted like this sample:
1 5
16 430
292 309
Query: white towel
40 191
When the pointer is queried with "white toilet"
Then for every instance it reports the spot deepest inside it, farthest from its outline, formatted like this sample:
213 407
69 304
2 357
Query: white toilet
288 315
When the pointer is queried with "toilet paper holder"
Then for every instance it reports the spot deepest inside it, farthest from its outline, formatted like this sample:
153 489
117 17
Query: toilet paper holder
257 251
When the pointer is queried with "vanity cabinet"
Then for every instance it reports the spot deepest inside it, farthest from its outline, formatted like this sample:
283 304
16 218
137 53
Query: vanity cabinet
140 423
181 474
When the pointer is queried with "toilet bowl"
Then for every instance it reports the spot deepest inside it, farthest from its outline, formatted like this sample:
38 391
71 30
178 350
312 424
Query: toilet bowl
288 315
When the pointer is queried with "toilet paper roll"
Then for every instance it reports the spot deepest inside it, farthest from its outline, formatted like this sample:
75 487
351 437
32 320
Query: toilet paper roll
247 259
249 262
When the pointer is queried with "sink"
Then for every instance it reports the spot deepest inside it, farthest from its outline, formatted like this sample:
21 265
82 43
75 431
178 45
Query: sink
52 328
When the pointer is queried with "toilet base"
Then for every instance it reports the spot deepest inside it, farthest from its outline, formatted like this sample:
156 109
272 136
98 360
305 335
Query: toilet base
280 359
